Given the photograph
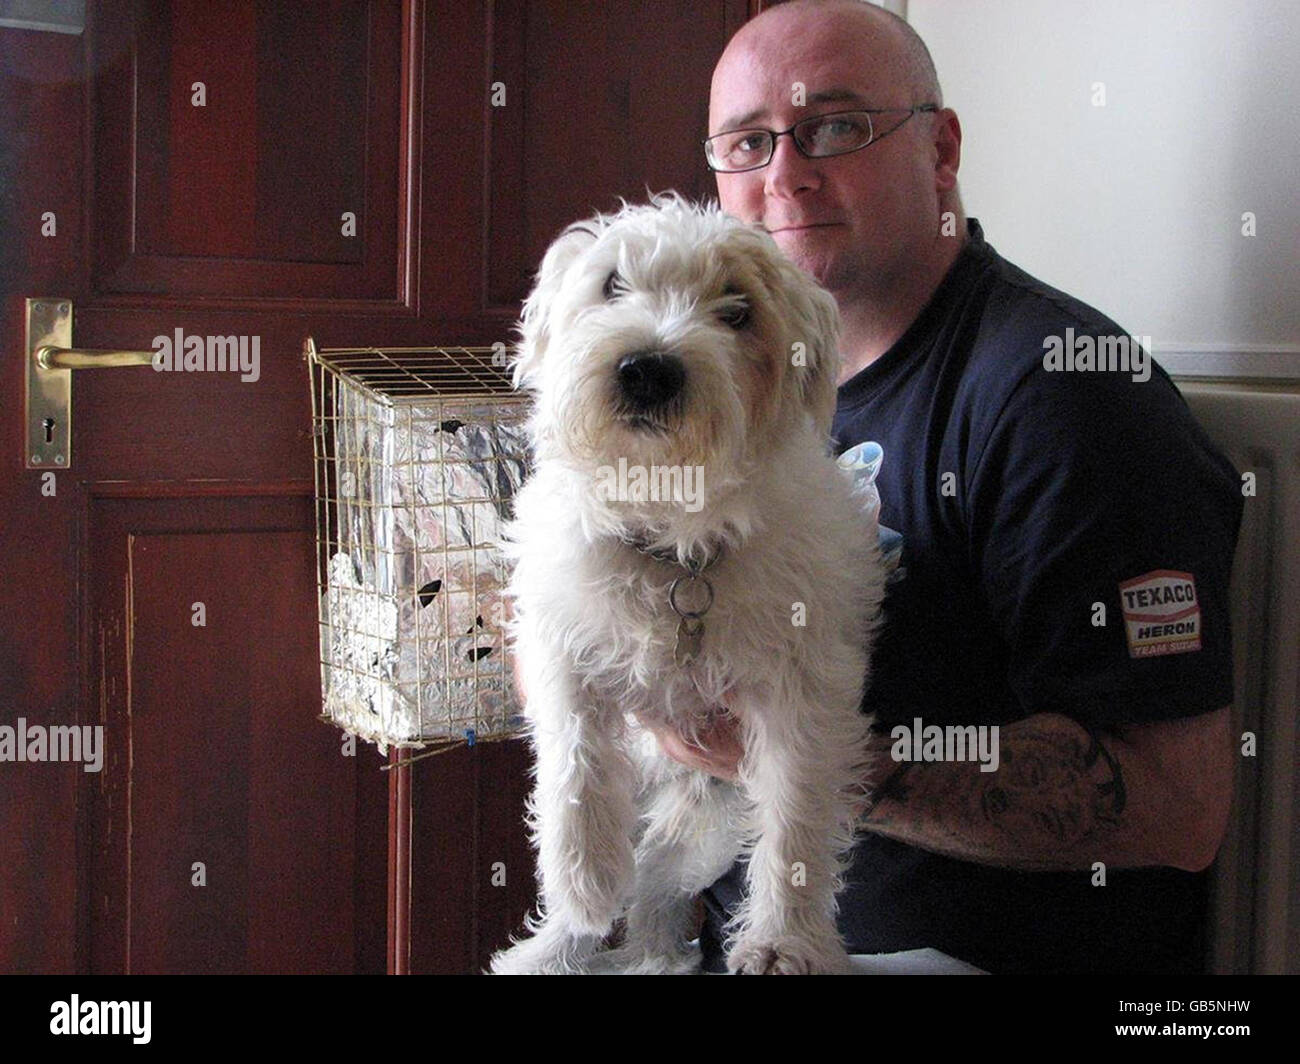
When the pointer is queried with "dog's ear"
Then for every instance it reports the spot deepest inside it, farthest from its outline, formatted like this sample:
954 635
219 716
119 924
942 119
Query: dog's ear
815 358
812 320
534 328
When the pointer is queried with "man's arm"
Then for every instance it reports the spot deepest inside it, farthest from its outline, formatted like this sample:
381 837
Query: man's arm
1062 798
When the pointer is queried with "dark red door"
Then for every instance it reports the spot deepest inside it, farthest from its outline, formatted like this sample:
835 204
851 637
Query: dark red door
269 170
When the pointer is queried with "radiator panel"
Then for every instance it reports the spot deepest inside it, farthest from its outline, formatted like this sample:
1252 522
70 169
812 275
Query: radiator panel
1257 879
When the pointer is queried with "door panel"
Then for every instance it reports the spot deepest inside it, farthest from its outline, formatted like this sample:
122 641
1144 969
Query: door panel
232 138
244 803
615 101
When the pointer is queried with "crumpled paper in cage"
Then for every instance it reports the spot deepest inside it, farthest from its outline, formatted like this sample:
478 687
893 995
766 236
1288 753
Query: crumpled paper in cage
412 633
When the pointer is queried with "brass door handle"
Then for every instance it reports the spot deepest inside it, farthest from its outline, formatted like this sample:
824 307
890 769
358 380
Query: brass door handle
50 356
89 358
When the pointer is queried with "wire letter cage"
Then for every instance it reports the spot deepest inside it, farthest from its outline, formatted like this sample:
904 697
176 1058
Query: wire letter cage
418 455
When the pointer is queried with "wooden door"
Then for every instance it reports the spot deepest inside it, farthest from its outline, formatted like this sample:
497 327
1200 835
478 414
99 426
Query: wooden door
268 170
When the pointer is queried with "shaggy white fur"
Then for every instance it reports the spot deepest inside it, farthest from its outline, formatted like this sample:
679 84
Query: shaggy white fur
673 336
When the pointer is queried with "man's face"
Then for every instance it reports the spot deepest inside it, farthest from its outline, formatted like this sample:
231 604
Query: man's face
852 221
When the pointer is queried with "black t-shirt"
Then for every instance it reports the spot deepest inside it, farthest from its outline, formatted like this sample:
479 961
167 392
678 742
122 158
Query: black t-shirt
1029 486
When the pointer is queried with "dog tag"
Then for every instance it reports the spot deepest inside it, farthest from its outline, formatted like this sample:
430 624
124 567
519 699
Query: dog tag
690 633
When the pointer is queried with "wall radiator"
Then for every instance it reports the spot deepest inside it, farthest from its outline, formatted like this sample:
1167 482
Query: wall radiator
1256 909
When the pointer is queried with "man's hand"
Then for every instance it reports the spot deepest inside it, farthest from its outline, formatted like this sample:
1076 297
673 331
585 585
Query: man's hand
720 752
720 748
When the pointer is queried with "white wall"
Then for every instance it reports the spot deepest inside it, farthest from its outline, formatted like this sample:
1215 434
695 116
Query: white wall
1136 206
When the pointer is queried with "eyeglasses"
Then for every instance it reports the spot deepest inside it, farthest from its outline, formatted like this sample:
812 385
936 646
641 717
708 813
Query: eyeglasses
837 133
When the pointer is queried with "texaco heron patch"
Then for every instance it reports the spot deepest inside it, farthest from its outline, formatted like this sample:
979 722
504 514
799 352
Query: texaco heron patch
1161 613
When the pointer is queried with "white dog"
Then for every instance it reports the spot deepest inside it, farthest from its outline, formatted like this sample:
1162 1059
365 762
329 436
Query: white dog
670 345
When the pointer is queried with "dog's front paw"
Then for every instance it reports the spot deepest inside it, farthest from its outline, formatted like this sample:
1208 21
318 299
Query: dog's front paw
523 958
547 953
632 961
787 956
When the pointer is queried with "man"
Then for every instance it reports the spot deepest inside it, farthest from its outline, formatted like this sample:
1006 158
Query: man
1026 497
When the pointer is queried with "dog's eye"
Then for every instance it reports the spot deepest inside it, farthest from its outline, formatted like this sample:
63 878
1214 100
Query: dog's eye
613 285
737 316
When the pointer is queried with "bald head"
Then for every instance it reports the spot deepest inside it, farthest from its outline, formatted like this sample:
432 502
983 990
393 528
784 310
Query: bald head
881 37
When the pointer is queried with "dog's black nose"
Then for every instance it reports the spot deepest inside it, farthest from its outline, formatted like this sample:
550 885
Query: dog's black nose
649 379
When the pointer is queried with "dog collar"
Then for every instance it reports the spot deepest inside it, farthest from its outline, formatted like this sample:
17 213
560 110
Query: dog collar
688 588
667 555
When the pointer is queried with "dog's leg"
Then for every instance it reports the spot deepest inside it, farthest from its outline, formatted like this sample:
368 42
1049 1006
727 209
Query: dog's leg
800 763
690 838
552 949
582 816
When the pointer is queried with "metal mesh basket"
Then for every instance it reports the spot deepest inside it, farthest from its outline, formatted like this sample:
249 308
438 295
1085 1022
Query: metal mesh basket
419 453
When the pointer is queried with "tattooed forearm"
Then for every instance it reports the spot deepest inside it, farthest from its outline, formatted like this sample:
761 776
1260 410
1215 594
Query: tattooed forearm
1061 785
1059 799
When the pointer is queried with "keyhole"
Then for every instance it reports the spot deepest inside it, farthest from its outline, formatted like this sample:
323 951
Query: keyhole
48 425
